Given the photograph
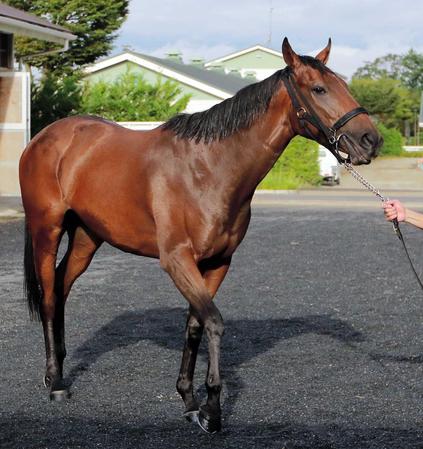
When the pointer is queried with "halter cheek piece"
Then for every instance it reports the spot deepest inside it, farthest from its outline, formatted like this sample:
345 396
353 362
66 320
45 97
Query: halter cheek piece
306 113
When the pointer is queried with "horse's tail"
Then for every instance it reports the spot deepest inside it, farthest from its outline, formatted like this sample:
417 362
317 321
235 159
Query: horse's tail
32 288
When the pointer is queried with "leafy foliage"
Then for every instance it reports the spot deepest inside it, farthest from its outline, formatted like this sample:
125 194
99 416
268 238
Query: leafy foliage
406 68
390 87
53 98
298 166
386 99
131 98
392 141
94 22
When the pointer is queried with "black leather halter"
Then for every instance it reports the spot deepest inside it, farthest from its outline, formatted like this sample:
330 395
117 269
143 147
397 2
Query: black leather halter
306 113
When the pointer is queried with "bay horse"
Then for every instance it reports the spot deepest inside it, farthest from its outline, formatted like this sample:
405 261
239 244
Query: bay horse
180 193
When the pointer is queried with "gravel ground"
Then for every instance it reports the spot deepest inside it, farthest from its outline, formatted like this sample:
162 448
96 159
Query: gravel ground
323 344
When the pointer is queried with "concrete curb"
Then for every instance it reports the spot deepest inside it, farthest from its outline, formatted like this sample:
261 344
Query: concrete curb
11 214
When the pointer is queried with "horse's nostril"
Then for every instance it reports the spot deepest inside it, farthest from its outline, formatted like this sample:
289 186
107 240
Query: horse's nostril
371 142
368 141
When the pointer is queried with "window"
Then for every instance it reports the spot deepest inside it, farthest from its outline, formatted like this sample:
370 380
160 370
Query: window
6 51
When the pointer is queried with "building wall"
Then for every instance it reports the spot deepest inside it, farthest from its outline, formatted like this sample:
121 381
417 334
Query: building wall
14 127
262 63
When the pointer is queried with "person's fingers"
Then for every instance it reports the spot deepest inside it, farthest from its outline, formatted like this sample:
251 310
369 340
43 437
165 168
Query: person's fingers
388 204
390 210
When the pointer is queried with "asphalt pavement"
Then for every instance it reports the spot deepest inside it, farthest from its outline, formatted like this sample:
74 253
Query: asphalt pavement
323 343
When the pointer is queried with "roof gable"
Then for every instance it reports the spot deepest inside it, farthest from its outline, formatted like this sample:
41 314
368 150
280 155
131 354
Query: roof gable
237 54
214 83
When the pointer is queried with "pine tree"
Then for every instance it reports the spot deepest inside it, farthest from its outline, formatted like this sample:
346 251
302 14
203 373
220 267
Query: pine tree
94 22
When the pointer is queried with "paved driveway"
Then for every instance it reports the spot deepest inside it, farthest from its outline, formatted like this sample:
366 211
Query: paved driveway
323 344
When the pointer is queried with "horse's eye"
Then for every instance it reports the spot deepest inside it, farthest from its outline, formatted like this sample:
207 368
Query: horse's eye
319 90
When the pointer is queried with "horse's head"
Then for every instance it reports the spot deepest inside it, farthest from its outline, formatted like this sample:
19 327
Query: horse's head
324 110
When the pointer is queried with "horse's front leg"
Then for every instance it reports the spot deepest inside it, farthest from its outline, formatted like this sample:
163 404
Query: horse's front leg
213 274
182 268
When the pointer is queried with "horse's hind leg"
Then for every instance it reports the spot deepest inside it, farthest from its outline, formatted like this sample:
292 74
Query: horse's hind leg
184 385
82 246
45 242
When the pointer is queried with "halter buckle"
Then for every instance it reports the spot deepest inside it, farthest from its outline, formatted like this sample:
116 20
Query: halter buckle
301 113
332 139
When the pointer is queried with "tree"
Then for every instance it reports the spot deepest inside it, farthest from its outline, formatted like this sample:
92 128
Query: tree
131 98
388 66
94 22
57 92
412 74
53 98
407 68
386 99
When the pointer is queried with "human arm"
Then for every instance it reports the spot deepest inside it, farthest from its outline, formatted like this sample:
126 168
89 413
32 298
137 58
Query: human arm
395 209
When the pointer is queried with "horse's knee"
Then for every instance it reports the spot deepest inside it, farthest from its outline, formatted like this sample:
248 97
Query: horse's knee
214 323
194 328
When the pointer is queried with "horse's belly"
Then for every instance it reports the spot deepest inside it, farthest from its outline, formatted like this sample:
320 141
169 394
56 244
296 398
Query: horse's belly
129 229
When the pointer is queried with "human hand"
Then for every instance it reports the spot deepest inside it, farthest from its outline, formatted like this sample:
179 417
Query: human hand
394 209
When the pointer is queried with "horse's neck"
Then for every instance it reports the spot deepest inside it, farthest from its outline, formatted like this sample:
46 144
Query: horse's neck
254 151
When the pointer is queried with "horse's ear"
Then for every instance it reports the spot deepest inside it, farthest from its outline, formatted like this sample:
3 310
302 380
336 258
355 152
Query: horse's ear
290 57
323 56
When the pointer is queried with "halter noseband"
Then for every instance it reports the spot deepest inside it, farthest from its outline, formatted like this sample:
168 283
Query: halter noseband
306 113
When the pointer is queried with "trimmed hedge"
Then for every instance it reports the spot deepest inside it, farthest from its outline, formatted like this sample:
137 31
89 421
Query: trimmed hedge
298 166
392 141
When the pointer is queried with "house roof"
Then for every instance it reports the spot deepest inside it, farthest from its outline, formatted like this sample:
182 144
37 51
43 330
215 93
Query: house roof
20 22
215 83
242 52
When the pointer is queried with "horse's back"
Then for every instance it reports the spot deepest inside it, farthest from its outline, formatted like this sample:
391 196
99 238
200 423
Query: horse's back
98 169
69 141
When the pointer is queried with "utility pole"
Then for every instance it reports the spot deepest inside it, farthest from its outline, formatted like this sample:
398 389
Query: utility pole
269 40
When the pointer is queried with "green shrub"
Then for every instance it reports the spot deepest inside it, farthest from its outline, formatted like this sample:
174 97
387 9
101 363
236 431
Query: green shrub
298 166
392 141
131 98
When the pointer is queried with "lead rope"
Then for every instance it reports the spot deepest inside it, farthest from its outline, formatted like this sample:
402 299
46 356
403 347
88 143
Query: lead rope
395 224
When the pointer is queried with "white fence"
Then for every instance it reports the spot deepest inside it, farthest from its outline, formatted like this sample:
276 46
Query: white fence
140 126
410 148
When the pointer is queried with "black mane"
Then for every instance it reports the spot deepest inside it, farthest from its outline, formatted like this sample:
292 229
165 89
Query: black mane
231 115
235 113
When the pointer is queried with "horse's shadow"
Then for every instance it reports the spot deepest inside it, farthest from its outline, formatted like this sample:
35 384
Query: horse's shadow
244 339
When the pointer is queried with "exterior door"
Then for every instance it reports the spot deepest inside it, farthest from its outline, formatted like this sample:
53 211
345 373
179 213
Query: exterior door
15 97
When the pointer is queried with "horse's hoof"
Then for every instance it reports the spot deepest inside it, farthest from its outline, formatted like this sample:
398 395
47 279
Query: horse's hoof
191 416
210 424
58 389
59 395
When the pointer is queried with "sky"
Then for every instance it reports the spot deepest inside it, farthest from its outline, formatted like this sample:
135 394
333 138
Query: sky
361 30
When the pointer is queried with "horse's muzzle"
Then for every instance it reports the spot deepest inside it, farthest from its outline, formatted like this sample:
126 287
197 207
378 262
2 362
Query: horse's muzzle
371 142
